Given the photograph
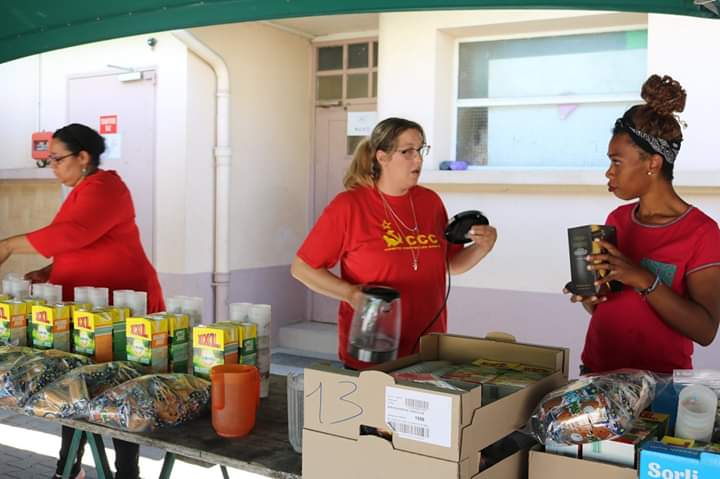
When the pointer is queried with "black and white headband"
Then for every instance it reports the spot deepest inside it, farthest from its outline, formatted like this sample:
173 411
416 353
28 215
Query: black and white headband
652 144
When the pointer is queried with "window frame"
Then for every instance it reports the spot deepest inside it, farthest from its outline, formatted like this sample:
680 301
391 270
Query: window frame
520 172
345 71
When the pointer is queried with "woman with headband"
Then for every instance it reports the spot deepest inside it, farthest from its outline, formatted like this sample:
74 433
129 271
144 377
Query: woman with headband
667 255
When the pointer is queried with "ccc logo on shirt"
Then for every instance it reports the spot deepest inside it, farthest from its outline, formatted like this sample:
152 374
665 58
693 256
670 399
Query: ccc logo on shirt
394 240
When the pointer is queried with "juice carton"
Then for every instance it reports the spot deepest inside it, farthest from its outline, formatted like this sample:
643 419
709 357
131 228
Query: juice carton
179 331
212 346
248 339
92 334
51 327
147 342
29 303
119 334
13 323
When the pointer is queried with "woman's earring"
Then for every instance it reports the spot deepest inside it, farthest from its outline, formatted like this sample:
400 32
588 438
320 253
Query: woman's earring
649 173
84 172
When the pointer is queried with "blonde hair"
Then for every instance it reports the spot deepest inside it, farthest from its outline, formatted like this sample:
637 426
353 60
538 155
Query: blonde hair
365 169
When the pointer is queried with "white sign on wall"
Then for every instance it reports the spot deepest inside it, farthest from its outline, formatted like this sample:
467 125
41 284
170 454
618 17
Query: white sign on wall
113 147
361 123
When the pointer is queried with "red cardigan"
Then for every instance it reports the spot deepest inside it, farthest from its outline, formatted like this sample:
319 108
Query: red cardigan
94 241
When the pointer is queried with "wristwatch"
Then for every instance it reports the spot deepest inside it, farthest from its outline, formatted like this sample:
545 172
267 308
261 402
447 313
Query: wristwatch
651 288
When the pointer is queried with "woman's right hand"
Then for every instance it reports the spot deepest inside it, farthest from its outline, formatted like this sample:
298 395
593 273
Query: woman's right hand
39 275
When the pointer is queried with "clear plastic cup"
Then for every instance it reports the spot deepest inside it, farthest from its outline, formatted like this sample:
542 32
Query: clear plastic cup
295 402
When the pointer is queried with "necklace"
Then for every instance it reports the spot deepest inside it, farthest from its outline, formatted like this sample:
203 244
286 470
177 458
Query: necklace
397 221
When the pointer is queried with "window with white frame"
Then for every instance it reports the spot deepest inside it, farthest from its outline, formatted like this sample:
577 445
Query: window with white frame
547 101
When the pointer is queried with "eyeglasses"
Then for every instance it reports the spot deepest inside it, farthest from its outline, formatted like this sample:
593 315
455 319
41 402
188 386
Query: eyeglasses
423 151
54 160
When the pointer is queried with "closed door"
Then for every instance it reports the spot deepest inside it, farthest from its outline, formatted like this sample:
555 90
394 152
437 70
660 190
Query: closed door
131 149
333 154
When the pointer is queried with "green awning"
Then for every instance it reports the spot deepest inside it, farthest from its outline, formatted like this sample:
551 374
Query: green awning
34 26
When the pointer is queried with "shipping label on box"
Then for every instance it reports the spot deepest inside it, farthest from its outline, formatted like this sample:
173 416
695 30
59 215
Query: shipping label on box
92 334
419 415
213 346
51 327
147 342
13 323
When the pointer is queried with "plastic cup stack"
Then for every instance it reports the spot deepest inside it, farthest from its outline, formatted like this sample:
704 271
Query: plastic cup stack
240 312
99 297
193 306
137 302
20 289
82 294
53 294
120 297
37 290
173 304
260 315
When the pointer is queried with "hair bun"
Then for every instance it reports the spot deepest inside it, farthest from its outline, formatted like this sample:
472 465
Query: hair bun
664 95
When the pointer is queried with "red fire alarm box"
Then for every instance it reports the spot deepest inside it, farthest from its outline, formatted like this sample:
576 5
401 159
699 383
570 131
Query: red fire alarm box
41 145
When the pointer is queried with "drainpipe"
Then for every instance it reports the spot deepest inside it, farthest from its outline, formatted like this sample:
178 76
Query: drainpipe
222 153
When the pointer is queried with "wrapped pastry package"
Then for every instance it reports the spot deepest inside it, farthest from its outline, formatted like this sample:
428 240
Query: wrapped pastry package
31 373
9 357
150 402
593 408
69 396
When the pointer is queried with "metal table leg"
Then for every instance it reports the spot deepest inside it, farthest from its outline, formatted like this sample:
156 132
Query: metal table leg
168 464
98 450
72 453
223 469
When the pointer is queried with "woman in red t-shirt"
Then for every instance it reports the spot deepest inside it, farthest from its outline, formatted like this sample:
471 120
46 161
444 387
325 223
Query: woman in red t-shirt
385 229
93 241
667 255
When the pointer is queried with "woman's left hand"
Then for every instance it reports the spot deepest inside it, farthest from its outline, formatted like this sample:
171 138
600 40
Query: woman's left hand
620 268
484 236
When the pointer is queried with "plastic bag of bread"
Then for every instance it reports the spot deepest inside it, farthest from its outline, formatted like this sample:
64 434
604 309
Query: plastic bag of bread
30 374
9 357
150 402
69 396
594 408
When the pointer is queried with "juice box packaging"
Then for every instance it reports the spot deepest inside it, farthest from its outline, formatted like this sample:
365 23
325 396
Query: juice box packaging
13 323
147 342
214 345
51 327
92 334
179 332
29 303
248 340
119 334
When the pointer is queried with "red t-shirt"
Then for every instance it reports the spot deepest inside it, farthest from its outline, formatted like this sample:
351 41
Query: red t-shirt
374 248
94 241
625 331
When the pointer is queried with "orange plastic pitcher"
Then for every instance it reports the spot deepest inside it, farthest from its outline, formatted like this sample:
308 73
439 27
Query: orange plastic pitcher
235 397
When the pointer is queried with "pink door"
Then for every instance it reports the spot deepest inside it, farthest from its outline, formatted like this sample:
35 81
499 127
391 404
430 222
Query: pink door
131 150
333 154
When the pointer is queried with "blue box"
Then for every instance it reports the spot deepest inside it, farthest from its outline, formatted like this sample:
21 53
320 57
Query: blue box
661 461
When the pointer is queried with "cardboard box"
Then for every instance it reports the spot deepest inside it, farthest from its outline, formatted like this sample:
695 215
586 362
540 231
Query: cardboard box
543 465
147 342
51 327
13 323
92 334
119 334
429 423
178 332
658 460
371 457
212 346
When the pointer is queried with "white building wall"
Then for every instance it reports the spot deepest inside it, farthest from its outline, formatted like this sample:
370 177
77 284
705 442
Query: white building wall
271 140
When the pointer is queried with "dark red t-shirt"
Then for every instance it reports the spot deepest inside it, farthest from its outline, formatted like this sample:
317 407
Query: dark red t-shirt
372 247
94 241
625 331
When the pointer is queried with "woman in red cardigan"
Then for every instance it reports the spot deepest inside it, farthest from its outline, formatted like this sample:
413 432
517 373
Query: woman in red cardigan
93 241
